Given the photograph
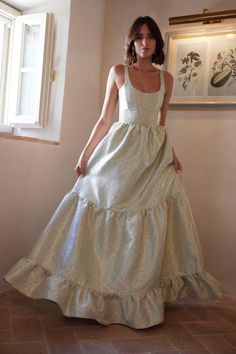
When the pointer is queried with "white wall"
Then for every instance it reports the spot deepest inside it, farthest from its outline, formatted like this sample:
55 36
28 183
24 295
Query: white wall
33 176
204 138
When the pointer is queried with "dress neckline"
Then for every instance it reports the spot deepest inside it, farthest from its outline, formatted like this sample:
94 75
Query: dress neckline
149 93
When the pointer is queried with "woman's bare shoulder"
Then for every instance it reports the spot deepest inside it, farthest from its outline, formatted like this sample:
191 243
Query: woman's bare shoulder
168 76
168 80
118 69
118 74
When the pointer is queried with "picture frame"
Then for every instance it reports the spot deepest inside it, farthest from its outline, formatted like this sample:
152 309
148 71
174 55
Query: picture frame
203 64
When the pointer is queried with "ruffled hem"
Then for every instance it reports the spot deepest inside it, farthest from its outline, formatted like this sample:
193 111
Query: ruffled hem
139 310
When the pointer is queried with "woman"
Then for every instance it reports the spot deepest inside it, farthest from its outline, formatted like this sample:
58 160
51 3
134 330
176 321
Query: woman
123 241
147 48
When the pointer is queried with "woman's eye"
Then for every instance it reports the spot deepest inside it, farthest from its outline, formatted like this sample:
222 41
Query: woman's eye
140 37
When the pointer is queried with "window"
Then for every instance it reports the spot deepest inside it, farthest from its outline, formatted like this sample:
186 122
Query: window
7 15
25 68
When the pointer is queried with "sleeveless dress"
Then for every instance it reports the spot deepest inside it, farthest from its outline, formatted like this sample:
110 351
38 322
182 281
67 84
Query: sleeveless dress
123 242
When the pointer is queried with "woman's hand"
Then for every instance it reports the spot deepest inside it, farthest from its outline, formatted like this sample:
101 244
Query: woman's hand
176 162
81 166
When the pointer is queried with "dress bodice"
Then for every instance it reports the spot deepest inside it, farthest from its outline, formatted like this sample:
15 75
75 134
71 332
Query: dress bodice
137 107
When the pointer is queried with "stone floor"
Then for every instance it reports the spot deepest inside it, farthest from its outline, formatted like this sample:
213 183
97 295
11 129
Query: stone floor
38 327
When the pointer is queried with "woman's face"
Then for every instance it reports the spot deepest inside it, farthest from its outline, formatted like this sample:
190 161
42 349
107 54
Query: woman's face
144 43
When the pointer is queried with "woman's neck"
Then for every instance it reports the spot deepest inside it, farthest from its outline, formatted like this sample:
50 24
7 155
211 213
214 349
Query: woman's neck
143 65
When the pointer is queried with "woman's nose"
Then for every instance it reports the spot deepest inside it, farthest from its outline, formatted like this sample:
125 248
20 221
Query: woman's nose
144 40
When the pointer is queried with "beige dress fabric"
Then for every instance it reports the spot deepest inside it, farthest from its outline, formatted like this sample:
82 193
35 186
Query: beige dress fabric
123 242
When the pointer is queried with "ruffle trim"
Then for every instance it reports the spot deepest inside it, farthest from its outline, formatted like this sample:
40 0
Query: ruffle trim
135 310
74 196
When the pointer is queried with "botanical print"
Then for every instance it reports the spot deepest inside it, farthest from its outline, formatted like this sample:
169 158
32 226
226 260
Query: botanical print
222 80
224 68
189 71
203 65
189 74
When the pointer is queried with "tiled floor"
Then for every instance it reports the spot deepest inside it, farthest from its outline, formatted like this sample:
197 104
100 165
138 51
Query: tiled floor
37 327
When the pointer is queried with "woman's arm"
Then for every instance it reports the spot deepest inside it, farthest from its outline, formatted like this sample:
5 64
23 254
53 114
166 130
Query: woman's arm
103 124
163 111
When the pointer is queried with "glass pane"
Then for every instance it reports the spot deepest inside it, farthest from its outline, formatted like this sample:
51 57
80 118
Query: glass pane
28 93
31 46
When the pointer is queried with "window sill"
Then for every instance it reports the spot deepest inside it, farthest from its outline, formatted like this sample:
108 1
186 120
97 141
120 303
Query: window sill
25 138
6 129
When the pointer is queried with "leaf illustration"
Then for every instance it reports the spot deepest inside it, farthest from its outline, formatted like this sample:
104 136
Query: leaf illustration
183 70
225 63
188 72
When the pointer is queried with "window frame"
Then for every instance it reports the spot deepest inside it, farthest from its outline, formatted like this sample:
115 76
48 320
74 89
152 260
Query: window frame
10 13
12 75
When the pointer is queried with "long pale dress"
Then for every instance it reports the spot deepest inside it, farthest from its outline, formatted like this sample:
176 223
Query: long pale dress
123 242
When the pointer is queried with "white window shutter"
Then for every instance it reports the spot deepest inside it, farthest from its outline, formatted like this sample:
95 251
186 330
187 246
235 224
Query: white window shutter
5 24
30 70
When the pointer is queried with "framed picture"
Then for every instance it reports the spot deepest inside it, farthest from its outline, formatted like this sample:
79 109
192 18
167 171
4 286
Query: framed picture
203 64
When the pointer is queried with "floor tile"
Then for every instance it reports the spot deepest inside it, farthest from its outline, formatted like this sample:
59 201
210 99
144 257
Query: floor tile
226 302
62 341
185 343
179 337
177 313
22 311
202 312
143 345
163 352
194 352
98 348
39 310
63 321
152 331
231 338
46 308
228 314
105 332
5 319
24 348
16 298
14 293
4 300
27 329
20 301
5 336
190 327
209 327
216 344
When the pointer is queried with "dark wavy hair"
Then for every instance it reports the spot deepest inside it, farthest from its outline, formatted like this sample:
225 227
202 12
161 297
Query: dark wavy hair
158 56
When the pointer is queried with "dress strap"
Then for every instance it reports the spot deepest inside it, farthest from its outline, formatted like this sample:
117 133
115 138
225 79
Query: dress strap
162 80
126 74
